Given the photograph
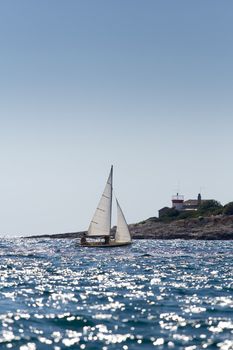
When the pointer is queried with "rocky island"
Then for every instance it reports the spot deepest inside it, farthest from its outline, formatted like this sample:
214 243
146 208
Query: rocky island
219 227
210 221
205 228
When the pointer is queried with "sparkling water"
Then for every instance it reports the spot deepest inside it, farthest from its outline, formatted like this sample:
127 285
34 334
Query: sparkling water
152 295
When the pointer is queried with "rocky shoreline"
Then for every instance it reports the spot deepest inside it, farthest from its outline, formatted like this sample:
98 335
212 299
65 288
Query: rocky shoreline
205 228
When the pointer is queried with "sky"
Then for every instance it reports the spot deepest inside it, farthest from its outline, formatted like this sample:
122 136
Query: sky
145 85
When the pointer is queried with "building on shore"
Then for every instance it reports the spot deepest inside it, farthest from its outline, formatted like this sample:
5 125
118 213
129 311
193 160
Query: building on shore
180 204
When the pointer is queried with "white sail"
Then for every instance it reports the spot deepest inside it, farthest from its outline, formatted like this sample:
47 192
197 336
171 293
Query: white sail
122 231
101 222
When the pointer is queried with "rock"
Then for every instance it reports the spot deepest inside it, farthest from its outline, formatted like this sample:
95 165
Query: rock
218 227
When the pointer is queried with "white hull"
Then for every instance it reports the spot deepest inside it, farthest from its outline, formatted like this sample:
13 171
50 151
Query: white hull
111 244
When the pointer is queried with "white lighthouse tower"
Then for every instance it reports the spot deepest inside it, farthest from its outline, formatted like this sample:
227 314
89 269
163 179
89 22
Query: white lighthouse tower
177 201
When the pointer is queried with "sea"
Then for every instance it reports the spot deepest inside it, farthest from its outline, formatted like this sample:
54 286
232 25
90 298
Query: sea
155 294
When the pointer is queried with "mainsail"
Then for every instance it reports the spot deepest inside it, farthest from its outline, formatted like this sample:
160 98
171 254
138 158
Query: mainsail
122 231
101 222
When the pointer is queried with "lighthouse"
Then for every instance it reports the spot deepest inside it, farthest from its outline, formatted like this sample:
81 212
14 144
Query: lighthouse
177 201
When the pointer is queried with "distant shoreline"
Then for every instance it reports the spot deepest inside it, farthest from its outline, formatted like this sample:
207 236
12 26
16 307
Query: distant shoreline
218 227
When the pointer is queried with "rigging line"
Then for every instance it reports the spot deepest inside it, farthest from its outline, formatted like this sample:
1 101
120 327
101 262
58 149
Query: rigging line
114 194
115 197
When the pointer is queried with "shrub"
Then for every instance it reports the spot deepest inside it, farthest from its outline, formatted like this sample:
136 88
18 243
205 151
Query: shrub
170 214
189 214
153 219
210 207
228 209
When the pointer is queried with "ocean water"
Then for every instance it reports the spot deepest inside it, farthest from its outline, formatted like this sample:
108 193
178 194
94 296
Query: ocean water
153 295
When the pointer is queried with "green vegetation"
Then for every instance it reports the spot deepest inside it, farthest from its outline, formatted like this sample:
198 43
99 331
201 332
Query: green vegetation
169 215
207 208
153 219
179 215
188 215
228 209
210 207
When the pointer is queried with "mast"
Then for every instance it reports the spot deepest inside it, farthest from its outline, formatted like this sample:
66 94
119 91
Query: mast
111 176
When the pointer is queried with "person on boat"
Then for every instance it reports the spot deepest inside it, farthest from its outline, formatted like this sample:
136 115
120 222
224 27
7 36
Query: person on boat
83 240
107 240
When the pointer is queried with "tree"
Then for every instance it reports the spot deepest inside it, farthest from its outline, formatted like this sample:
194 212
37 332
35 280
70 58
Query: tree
210 207
169 214
228 209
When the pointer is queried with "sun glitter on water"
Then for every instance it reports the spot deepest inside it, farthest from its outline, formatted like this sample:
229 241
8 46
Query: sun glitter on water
153 295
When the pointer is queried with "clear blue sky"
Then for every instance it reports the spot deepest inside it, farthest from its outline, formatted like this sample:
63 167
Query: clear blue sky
143 85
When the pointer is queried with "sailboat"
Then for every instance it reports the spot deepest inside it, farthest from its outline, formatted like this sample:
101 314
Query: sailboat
100 225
